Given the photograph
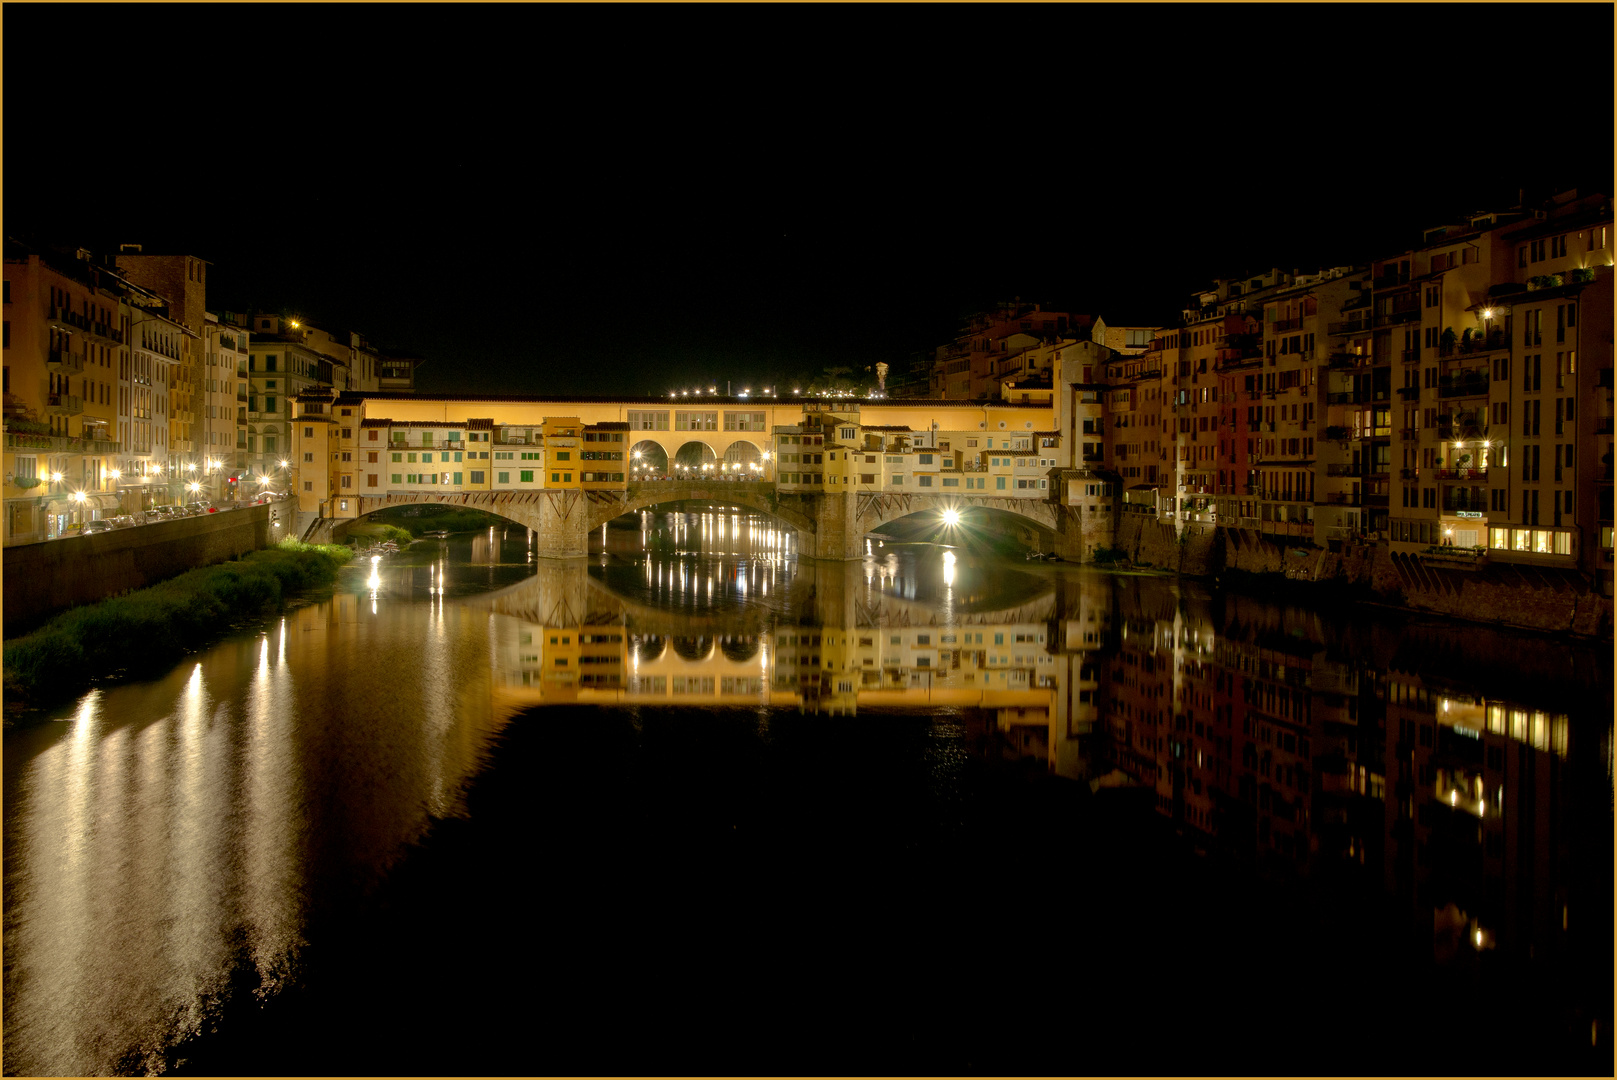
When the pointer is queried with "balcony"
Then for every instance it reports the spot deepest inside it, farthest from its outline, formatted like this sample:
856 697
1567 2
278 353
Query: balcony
1462 474
59 444
64 405
1285 326
63 362
1348 326
1352 397
241 397
1409 474
1348 359
1393 318
1408 356
1373 498
1339 433
1409 393
1473 504
241 371
1343 498
106 332
1468 384
1343 470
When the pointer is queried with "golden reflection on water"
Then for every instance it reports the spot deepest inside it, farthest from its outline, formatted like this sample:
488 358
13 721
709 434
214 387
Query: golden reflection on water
151 856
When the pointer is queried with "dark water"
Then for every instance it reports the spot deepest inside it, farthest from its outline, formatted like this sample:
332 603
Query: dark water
693 806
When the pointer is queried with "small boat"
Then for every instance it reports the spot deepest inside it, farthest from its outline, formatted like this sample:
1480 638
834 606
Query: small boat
437 534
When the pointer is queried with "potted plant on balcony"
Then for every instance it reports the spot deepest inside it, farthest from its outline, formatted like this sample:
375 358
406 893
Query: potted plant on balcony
1448 339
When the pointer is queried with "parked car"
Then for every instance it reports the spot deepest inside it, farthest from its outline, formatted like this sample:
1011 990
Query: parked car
121 521
91 527
200 507
163 513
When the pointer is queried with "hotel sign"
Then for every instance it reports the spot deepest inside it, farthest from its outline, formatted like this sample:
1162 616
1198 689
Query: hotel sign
1477 514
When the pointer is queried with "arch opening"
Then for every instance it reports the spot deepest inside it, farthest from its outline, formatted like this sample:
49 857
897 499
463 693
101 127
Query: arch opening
694 460
647 460
742 460
977 529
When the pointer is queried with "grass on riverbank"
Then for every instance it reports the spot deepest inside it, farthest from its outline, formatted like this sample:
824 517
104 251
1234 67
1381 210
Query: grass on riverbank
148 630
378 531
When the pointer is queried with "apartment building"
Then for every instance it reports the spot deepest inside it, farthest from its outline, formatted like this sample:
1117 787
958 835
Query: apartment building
280 366
223 396
990 346
66 327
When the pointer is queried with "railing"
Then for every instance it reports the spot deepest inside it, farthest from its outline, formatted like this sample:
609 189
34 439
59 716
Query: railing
1393 318
1348 360
1462 474
1348 326
1409 393
1374 498
65 404
1343 498
1471 385
1409 474
1338 432
59 444
64 362
241 397
1343 470
1408 356
1350 398
1285 326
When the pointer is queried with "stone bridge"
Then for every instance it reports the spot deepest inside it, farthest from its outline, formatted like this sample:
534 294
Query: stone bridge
829 525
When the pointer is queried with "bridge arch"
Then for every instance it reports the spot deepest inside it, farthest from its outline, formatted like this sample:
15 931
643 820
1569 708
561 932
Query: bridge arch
694 459
751 496
648 457
878 509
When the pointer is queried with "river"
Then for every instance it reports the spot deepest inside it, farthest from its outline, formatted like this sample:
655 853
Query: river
695 805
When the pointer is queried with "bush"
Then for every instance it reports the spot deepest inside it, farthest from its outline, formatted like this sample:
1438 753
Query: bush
150 629
434 518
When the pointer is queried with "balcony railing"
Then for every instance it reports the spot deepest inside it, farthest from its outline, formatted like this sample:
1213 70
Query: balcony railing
1373 498
65 404
1352 397
65 363
1393 318
1409 474
1409 393
1349 360
1348 326
1338 432
59 444
1408 356
1343 470
1343 498
1468 385
1462 474
1285 326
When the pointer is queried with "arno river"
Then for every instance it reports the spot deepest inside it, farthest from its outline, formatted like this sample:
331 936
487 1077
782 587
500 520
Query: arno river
692 805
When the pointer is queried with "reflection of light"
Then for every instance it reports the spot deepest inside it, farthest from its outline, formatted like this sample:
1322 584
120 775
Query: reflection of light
948 568
375 581
1479 939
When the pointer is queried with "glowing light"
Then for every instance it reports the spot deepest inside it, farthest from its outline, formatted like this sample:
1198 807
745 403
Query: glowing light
294 324
284 464
194 486
191 467
1487 313
1479 939
951 517
56 478
116 474
78 496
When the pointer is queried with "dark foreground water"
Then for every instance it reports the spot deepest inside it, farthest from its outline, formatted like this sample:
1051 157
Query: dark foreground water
696 807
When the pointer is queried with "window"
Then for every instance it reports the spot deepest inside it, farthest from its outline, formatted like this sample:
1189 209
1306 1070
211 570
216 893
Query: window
398 478
308 457
370 480
503 478
562 455
347 481
526 476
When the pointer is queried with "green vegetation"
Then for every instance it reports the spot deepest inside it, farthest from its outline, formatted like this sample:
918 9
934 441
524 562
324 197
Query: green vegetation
377 531
1106 555
431 519
148 630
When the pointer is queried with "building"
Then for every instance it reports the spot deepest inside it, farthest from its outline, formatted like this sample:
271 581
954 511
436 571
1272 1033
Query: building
66 329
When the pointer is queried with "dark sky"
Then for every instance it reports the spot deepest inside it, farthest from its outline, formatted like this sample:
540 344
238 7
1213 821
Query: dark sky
572 199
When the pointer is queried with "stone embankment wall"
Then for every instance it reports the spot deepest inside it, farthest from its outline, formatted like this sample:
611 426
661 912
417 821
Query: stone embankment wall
46 578
1532 597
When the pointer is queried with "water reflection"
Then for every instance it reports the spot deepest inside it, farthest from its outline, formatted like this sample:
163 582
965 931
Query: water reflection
172 838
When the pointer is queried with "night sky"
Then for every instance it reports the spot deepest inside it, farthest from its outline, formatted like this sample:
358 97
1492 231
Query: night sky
576 199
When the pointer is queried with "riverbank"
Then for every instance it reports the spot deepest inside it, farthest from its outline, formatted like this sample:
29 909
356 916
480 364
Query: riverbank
149 629
1544 598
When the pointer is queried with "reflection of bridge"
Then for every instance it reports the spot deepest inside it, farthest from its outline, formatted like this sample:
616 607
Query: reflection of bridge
839 642
829 525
